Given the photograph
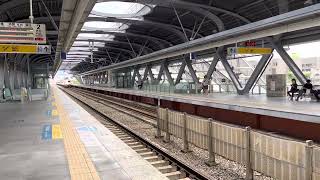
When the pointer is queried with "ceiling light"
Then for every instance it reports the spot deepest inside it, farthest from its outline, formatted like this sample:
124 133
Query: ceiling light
104 26
120 9
82 49
75 55
80 52
86 43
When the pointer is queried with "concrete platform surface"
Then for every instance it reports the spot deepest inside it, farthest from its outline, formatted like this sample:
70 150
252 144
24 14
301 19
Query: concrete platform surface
38 140
26 150
258 104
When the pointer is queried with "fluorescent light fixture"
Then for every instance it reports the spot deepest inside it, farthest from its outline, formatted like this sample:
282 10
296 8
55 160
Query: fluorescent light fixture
80 52
91 35
120 9
77 56
95 36
86 43
82 49
104 26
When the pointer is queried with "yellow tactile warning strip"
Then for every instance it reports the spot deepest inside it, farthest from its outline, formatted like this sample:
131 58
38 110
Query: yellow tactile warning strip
56 131
80 164
54 112
54 104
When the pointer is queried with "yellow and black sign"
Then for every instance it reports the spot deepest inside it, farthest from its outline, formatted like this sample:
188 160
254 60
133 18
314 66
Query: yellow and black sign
249 50
25 49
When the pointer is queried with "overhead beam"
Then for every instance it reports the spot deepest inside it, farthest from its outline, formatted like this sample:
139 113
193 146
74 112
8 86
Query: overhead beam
80 8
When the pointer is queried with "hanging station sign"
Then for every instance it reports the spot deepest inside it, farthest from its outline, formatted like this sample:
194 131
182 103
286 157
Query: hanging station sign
248 50
11 32
25 49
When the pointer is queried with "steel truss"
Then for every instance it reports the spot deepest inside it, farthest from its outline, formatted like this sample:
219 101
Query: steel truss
220 55
287 22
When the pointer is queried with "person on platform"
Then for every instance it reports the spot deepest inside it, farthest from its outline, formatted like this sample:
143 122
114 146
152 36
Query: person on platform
205 85
309 86
293 89
140 84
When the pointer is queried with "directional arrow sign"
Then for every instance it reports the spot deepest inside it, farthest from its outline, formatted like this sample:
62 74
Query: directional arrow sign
25 49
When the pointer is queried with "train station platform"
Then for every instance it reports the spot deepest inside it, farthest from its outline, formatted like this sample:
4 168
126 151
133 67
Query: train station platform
58 139
280 107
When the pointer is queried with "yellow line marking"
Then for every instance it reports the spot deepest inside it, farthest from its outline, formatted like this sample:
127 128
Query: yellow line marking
54 104
80 164
56 131
54 112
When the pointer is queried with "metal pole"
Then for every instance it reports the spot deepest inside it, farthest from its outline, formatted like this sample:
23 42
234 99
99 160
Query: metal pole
31 13
167 138
185 134
158 133
308 160
212 158
249 171
184 32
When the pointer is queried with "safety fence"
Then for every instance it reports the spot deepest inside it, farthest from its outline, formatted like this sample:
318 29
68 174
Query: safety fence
274 156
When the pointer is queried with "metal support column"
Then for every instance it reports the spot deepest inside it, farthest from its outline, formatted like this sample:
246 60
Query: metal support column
191 70
145 74
1 76
160 73
289 61
167 73
151 75
180 73
253 78
212 66
12 77
6 72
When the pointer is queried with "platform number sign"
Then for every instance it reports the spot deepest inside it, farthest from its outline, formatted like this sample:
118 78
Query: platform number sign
39 32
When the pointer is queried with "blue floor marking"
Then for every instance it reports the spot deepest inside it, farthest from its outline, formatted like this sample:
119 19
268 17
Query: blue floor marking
49 113
47 132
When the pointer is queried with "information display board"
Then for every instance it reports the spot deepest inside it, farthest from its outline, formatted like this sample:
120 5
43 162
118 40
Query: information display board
11 32
25 49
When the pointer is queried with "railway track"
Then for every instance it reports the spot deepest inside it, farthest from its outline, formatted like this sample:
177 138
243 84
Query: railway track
141 112
172 168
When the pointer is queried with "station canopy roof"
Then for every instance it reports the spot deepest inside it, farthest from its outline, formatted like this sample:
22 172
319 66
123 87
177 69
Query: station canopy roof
117 31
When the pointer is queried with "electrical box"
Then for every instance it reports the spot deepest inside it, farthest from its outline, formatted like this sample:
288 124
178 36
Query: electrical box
276 85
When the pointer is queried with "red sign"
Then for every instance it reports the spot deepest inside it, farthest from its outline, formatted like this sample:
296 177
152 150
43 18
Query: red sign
250 43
